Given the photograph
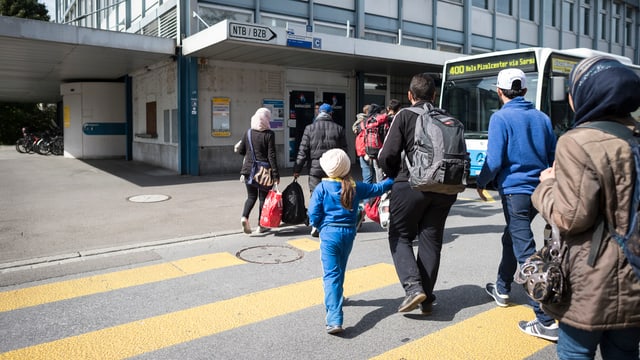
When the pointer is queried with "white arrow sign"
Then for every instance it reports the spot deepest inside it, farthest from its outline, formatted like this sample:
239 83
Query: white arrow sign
251 32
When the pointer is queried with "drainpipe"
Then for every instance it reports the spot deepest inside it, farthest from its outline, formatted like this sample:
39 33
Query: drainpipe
128 117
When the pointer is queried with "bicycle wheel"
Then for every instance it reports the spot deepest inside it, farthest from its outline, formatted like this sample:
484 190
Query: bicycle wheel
57 146
43 147
20 147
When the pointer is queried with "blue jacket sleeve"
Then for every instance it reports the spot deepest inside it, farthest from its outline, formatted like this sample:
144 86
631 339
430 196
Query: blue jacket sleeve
365 191
496 146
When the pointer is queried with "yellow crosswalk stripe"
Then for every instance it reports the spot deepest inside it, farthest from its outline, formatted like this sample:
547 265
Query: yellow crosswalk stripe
305 244
473 339
41 294
162 331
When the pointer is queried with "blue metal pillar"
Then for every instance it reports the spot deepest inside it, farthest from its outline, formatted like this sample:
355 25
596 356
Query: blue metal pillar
188 160
188 115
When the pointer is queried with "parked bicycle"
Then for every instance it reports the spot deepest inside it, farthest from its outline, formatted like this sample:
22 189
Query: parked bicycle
43 144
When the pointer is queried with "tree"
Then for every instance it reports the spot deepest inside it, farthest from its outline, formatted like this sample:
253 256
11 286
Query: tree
14 116
28 9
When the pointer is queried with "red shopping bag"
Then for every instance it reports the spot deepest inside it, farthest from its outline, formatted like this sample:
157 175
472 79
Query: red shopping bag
371 209
272 210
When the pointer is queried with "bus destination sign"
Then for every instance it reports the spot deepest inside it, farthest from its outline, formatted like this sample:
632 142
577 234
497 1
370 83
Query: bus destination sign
491 65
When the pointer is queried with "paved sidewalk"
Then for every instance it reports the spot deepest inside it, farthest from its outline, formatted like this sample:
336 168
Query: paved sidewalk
55 208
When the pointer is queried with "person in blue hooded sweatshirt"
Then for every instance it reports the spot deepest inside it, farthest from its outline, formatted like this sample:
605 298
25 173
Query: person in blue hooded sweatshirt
521 145
333 209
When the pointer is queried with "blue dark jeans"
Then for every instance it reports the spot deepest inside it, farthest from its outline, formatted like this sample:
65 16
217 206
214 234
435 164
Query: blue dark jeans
336 243
367 170
517 244
576 344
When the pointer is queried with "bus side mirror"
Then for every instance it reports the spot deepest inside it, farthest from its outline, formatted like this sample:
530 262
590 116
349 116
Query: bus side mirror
558 89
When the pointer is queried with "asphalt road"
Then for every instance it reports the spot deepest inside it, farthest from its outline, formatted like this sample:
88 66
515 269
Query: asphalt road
87 273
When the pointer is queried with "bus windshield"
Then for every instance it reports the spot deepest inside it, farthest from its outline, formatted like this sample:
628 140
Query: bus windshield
474 100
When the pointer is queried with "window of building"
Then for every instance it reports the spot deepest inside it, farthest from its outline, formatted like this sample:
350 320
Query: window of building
527 10
280 21
628 29
568 22
416 42
504 6
171 126
602 23
450 48
333 29
212 15
481 3
380 36
585 18
152 129
616 22
551 13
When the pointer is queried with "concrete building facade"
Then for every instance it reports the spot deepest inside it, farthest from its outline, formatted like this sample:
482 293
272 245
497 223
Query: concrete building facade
232 57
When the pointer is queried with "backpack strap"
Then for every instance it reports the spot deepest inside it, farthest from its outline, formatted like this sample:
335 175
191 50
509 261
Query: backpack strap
619 130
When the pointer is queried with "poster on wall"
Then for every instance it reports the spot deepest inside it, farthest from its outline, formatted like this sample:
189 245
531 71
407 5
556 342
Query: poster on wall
220 116
277 112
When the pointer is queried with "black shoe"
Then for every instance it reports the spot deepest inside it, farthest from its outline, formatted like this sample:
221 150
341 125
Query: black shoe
315 232
412 301
426 308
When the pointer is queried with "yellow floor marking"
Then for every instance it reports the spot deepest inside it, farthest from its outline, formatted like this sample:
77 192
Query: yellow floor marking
41 294
486 194
307 245
493 334
162 331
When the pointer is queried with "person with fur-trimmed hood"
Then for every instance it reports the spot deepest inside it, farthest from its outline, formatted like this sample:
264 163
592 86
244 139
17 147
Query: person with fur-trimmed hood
591 183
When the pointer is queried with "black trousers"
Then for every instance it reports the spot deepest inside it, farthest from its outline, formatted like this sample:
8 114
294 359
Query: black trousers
420 216
253 194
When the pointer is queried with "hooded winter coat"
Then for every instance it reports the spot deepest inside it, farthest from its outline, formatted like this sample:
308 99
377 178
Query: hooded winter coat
594 180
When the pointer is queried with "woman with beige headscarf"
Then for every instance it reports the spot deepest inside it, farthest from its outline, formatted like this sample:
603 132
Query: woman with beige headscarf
261 138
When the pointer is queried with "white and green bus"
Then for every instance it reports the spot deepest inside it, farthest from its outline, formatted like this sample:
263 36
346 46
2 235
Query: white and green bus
469 89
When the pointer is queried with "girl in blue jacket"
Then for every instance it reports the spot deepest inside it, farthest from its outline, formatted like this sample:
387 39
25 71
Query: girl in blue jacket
332 212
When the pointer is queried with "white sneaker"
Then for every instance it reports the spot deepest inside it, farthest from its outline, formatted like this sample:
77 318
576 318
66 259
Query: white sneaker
535 328
245 225
261 230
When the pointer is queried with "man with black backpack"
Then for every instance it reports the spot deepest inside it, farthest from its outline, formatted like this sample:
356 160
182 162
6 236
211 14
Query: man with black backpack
414 213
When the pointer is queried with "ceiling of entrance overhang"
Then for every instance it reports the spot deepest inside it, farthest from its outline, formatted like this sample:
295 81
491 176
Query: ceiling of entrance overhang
37 57
243 52
334 53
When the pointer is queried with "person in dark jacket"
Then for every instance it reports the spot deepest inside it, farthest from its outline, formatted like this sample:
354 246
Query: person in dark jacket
264 147
324 134
593 178
413 213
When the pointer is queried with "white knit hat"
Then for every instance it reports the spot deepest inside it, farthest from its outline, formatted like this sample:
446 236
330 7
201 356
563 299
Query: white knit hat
335 163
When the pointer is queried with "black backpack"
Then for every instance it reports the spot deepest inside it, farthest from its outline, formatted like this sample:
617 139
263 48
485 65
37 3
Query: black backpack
293 209
630 241
439 161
